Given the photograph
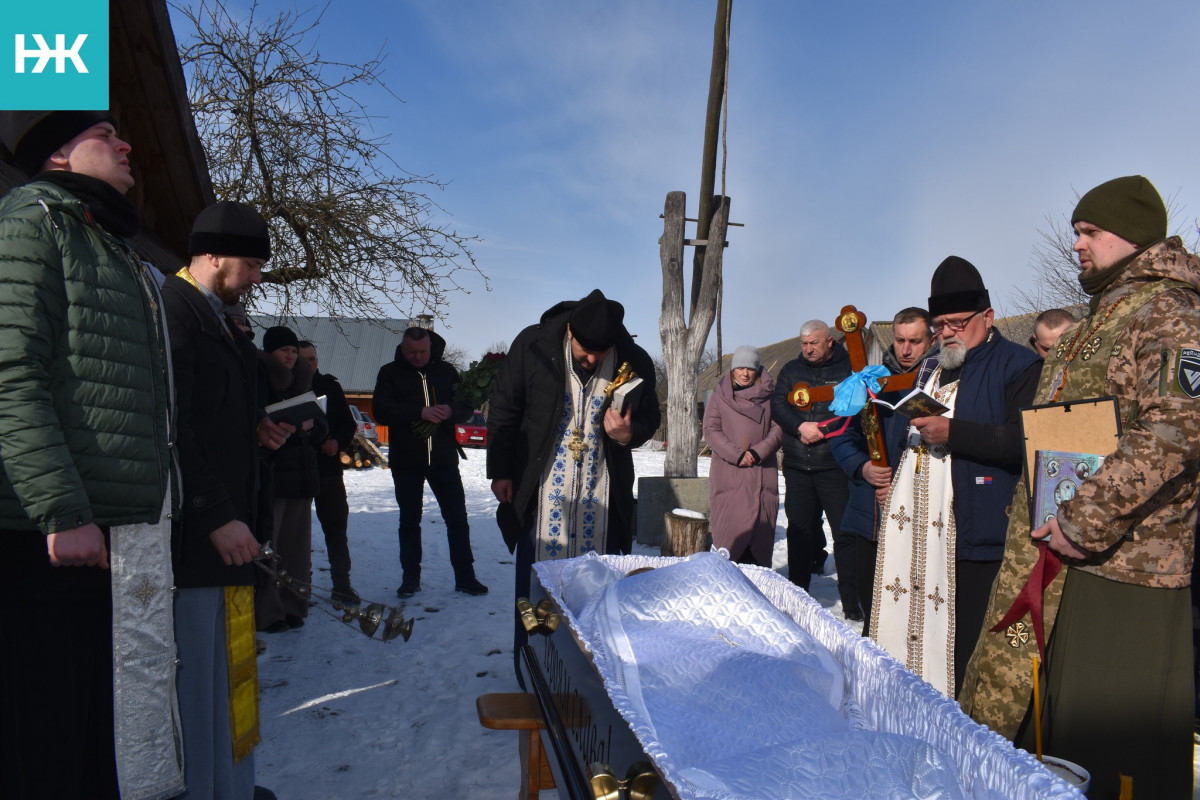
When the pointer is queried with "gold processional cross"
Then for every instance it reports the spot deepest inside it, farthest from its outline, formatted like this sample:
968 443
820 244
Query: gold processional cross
851 322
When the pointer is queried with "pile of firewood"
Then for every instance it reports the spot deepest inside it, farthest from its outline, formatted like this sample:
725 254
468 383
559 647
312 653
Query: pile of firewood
362 453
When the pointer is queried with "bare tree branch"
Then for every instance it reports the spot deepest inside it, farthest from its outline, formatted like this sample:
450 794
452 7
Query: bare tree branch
284 131
1055 268
1055 281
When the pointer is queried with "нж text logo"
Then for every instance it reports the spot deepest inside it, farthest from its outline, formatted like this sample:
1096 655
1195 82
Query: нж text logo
54 55
43 53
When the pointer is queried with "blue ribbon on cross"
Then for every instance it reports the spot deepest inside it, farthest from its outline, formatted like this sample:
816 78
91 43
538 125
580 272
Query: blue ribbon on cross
851 395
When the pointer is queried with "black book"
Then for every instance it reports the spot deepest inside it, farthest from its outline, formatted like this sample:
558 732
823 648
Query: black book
297 410
627 394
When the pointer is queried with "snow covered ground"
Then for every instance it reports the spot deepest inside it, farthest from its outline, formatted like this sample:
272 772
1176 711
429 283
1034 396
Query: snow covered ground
347 717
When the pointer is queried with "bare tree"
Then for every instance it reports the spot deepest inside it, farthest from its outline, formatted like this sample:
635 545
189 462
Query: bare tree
456 356
284 131
662 383
683 341
1055 268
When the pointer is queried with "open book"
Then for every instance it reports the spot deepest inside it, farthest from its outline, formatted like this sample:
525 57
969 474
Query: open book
916 404
297 410
626 394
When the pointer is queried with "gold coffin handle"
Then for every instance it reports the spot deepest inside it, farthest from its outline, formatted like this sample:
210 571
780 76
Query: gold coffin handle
525 611
605 785
542 619
641 782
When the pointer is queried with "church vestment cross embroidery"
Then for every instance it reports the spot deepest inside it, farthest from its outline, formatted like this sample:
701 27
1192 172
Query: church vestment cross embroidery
576 445
937 599
145 592
896 589
901 518
939 524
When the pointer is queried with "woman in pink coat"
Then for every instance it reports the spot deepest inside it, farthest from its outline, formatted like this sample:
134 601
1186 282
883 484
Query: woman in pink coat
743 476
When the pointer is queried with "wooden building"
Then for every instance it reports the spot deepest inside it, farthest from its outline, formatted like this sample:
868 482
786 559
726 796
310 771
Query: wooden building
148 97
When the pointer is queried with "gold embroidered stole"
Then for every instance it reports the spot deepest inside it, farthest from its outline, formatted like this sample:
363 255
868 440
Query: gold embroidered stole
242 656
912 611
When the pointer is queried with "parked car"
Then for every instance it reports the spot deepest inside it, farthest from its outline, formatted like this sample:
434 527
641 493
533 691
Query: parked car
473 432
366 425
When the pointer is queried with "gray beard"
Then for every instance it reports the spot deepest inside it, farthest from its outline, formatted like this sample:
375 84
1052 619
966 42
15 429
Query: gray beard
952 357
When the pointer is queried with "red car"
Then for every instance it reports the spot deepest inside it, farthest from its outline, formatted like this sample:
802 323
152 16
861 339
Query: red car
473 432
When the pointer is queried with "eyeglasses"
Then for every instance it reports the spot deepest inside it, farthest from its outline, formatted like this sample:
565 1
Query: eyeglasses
955 325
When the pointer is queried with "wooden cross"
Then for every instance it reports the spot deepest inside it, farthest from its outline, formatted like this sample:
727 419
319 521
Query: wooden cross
851 322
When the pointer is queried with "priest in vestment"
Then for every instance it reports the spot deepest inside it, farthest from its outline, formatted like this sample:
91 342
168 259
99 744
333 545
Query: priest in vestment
560 461
945 515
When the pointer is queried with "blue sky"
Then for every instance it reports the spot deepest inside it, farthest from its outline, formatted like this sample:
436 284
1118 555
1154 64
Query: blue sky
866 141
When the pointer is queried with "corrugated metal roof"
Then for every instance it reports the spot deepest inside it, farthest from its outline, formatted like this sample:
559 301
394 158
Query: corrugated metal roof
352 350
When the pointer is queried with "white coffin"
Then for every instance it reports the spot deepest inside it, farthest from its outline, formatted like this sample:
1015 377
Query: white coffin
877 693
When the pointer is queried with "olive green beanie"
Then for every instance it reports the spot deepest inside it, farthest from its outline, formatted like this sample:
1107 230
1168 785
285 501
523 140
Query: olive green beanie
1130 207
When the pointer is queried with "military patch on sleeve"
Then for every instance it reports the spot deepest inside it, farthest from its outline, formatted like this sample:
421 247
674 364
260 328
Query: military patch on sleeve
1187 372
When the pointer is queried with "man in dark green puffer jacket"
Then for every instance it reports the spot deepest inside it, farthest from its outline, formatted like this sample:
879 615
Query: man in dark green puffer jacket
84 474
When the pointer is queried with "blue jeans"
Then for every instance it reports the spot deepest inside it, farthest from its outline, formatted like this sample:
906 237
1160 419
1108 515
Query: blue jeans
446 484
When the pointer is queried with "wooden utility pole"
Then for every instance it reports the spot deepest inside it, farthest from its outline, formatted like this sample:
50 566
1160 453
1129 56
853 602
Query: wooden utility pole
683 342
712 132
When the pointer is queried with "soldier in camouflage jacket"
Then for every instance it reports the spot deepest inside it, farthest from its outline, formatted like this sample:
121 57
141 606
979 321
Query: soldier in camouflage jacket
1118 681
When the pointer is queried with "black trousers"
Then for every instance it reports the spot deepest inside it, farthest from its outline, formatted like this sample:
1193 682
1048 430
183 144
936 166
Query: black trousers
973 588
446 485
808 494
333 512
56 710
866 553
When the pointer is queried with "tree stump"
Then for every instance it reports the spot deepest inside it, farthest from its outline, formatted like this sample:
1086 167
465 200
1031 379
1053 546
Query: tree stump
685 534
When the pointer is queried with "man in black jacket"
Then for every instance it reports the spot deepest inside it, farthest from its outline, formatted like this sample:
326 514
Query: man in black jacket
414 397
333 512
912 342
561 469
221 431
814 482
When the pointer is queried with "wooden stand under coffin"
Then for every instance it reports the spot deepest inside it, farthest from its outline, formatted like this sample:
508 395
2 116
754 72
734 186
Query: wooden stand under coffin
583 728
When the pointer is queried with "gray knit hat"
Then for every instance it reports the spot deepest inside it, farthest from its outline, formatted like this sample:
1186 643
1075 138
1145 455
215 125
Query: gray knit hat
746 356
